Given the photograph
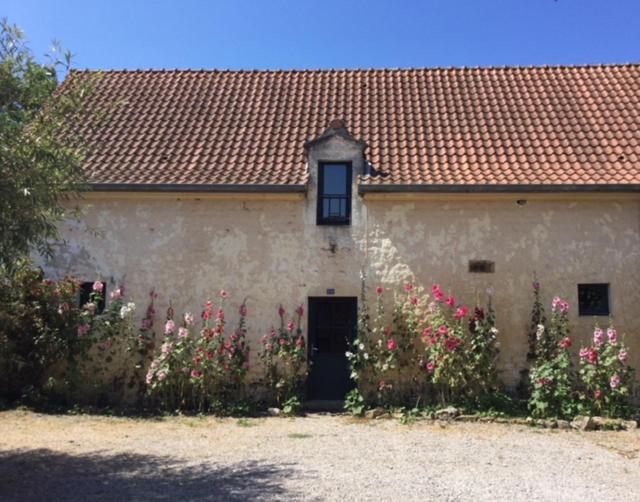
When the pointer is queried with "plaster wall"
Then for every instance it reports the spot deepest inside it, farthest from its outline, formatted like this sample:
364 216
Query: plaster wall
270 250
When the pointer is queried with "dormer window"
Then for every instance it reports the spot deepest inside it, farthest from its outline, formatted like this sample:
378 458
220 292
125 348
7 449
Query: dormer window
334 193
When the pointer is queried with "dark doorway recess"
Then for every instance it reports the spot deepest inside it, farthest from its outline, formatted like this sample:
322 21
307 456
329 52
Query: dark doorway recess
332 328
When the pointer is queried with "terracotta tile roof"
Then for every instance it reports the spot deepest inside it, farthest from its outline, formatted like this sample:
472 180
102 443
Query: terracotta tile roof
459 127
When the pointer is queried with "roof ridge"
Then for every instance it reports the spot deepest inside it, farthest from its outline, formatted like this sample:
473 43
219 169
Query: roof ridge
358 70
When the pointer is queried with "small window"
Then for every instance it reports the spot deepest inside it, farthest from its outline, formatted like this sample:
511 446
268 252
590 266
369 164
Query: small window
86 288
593 299
481 267
334 194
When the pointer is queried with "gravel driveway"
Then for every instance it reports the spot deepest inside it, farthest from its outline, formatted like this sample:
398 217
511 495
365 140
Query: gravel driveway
320 457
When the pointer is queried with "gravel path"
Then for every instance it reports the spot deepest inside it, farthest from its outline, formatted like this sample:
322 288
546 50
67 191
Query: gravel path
88 458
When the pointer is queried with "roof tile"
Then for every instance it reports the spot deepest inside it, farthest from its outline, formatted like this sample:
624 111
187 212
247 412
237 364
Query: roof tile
486 126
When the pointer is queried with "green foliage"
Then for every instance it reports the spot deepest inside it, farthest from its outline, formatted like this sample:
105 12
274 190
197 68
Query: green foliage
203 369
354 403
538 318
552 388
41 132
430 351
38 323
54 351
284 358
292 407
551 377
605 377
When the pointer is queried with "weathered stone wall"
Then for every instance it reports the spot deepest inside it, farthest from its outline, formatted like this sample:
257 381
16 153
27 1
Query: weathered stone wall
269 249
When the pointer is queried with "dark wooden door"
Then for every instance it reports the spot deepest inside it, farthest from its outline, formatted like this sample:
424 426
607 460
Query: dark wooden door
332 328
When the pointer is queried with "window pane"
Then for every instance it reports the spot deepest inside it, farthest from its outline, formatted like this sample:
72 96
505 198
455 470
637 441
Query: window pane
593 299
335 179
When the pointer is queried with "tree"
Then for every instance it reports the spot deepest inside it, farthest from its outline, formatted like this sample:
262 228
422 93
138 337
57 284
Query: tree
41 147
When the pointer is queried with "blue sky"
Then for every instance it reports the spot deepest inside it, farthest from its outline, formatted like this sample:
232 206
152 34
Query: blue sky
259 34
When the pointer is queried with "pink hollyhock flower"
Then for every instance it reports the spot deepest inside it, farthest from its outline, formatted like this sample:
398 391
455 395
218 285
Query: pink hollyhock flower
392 345
208 310
281 311
623 355
544 381
188 319
451 301
98 287
300 342
408 288
436 289
598 394
560 305
243 310
162 375
183 332
268 347
414 300
167 348
83 329
461 312
598 337
614 382
149 377
290 326
583 353
565 343
116 295
283 342
264 339
452 343
430 367
224 294
428 331
443 330
196 374
382 385
220 315
197 360
379 290
612 334
300 310
273 332
169 327
592 356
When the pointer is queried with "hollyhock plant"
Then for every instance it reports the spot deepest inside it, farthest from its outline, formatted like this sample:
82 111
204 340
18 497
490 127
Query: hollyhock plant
605 378
284 357
537 325
551 376
461 355
200 368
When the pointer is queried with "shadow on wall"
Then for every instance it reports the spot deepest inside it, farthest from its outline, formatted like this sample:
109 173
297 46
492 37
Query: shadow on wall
30 475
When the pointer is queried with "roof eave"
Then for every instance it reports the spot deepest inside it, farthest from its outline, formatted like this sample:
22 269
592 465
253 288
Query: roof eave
180 187
364 188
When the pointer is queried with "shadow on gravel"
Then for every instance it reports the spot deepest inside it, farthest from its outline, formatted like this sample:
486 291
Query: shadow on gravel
30 475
